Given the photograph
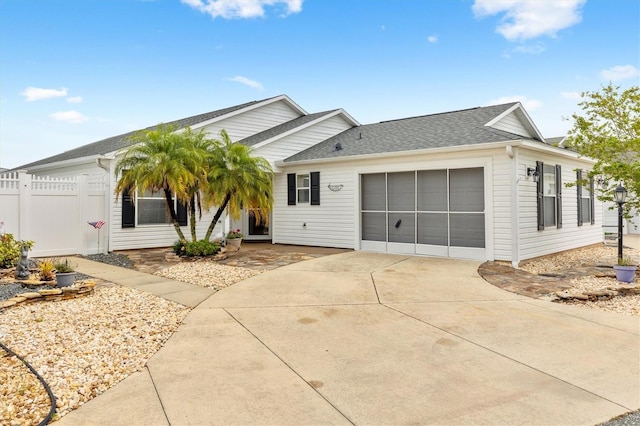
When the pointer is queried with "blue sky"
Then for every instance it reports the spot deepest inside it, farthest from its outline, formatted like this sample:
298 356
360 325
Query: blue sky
77 71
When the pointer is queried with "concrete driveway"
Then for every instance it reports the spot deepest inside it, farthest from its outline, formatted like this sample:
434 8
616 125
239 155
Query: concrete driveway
363 338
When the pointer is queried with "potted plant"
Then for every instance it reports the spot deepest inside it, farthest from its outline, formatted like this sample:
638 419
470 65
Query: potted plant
65 275
625 270
234 239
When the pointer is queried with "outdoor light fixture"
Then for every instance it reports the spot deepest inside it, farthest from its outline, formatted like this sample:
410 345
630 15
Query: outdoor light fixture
620 196
533 172
601 182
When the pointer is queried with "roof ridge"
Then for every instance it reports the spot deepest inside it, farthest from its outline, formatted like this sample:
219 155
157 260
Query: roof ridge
447 112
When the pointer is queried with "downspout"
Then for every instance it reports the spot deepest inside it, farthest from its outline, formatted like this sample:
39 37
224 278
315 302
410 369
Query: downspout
108 201
515 207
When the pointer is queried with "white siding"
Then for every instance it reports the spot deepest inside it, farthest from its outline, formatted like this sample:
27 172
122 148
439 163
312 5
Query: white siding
331 224
287 146
512 124
254 121
502 205
335 223
534 243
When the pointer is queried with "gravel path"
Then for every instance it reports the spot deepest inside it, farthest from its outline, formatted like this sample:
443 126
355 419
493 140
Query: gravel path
84 346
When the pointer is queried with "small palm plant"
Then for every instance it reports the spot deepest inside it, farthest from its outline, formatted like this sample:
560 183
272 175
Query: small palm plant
47 270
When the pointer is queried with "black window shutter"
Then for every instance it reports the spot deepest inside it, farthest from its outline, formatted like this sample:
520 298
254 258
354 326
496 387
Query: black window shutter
579 191
558 196
315 188
128 210
540 194
182 213
291 189
592 201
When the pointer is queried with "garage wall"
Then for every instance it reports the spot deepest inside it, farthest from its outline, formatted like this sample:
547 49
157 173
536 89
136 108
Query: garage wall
336 222
534 243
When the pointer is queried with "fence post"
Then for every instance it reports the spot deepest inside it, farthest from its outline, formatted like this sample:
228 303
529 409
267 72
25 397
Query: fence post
83 204
24 204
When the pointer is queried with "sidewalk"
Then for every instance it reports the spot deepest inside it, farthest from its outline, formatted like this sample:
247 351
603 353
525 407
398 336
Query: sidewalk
186 294
365 338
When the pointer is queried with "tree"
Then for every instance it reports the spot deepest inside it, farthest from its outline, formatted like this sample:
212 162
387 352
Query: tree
237 180
163 160
609 132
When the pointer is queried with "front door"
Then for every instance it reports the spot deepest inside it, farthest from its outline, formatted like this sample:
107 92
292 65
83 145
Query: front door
253 230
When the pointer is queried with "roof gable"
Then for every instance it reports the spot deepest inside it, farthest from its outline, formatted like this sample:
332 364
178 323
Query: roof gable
263 138
516 120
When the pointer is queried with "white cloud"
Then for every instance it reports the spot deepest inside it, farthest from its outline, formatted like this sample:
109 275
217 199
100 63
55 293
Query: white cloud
619 72
247 82
73 117
432 39
527 19
230 9
37 93
531 49
529 104
74 99
571 95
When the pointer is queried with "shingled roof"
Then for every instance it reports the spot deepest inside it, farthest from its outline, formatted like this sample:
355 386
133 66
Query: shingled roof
115 143
448 129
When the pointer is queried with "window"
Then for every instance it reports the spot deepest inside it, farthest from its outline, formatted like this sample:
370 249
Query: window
549 195
149 208
586 202
303 188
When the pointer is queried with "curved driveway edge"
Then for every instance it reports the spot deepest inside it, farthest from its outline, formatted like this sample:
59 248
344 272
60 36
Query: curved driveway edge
366 338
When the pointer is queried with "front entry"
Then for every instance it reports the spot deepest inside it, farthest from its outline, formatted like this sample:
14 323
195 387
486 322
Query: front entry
251 230
429 212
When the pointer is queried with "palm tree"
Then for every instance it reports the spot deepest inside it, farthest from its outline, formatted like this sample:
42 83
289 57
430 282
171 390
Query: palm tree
164 160
236 180
204 149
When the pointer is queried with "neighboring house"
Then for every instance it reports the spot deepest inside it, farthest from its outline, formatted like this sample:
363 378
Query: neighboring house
480 183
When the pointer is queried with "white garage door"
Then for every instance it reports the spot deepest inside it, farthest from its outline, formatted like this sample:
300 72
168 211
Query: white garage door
430 212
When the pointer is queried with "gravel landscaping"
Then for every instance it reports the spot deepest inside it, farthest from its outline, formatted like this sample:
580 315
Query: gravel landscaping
84 346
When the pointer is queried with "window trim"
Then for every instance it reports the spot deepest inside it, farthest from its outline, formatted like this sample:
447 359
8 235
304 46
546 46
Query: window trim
314 189
130 210
300 188
581 199
540 195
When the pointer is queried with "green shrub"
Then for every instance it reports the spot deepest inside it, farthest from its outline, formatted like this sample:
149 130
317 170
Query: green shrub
195 248
10 250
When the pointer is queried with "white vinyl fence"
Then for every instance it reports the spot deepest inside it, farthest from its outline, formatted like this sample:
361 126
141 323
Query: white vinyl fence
54 212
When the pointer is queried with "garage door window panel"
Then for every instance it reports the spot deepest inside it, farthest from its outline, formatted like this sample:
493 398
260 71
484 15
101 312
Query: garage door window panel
433 229
466 190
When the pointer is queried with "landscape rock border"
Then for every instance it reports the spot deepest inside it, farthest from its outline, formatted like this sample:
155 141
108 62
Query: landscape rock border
79 289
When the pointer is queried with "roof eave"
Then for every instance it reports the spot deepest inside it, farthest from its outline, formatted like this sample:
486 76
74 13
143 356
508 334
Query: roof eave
64 163
529 144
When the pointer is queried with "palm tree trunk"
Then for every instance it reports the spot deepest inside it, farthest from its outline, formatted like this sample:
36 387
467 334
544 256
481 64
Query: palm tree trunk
192 218
174 216
217 216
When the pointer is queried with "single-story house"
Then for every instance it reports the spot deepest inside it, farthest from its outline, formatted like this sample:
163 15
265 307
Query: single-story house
480 183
